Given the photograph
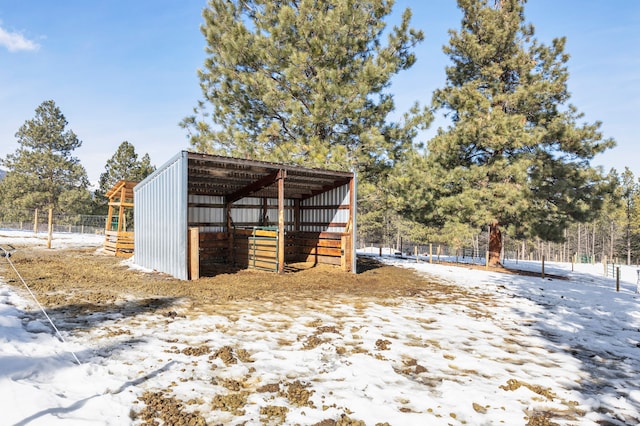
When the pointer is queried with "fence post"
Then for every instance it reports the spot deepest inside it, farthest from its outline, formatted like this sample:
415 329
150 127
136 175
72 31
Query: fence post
430 253
49 238
604 264
543 266
416 252
617 278
486 261
35 222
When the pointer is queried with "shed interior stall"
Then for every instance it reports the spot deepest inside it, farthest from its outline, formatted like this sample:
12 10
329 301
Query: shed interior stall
199 213
118 233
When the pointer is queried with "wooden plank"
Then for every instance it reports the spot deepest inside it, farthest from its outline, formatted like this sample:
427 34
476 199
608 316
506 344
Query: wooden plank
214 244
256 232
313 243
260 261
194 253
206 236
346 253
324 251
328 260
319 235
281 224
261 253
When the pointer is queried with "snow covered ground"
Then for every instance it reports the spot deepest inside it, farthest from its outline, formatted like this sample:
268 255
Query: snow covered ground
501 349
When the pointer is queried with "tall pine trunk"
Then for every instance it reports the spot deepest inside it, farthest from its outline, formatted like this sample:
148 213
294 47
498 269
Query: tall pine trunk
495 244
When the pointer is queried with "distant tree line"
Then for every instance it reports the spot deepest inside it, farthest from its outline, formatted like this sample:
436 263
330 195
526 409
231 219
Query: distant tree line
43 173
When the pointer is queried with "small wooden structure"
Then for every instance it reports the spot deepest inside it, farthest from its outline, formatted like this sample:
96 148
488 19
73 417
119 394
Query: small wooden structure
117 238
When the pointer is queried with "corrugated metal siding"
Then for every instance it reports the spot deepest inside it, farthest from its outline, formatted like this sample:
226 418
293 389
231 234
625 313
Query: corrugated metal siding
337 197
161 219
247 212
207 213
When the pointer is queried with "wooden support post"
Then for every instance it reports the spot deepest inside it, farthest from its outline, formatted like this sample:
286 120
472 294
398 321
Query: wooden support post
194 253
543 266
486 260
231 257
264 220
415 250
430 253
617 278
50 229
281 222
296 214
346 252
352 222
35 222
121 219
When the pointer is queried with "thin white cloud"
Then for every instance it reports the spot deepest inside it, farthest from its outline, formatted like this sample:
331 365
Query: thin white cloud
15 42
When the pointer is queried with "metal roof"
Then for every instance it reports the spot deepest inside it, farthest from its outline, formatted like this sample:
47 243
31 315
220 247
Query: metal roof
236 178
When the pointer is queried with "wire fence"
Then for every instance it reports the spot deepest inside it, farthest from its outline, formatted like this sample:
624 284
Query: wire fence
511 251
38 222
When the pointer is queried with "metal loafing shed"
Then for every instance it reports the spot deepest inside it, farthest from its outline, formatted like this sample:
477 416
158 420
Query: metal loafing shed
199 211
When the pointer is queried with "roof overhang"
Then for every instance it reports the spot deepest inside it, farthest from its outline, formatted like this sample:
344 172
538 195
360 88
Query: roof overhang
235 178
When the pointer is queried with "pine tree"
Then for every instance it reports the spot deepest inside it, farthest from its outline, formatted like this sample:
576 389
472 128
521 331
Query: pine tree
42 173
303 81
123 165
514 157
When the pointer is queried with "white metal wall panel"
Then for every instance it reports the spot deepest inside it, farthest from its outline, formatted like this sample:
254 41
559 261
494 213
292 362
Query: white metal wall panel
161 219
336 197
208 214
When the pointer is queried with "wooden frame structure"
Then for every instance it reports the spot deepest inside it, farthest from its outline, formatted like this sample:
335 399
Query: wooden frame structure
198 212
117 239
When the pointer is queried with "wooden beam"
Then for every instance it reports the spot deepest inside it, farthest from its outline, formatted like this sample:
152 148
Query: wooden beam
296 214
281 175
121 211
194 253
227 209
253 187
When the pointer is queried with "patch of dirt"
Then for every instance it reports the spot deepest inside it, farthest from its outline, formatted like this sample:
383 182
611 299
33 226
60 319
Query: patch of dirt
103 282
383 344
274 412
232 402
169 410
269 388
514 384
298 394
196 351
229 355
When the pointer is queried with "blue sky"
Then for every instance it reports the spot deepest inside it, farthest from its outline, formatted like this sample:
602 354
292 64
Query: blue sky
126 70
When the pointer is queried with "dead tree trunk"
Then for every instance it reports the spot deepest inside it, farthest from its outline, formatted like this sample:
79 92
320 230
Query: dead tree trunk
495 244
